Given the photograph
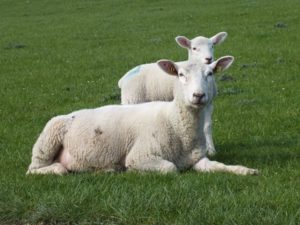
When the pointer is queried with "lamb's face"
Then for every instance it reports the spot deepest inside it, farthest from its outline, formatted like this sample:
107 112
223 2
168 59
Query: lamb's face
196 79
201 49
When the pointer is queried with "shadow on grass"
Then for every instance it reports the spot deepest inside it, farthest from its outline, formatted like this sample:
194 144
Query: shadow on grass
259 151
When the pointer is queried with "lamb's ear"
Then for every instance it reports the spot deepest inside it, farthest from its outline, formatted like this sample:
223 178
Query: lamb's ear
168 66
222 63
183 42
218 38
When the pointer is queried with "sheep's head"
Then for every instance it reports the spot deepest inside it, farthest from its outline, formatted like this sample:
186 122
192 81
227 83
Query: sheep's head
196 79
201 48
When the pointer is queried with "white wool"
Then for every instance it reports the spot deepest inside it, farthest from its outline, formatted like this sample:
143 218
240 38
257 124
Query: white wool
146 83
156 136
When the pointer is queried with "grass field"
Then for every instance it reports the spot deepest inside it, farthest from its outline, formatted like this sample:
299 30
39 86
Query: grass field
59 56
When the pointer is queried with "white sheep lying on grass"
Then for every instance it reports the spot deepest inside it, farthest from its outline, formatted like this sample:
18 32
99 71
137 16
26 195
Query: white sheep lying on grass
155 136
146 83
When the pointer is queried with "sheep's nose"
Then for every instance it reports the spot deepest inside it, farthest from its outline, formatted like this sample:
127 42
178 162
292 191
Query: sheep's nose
208 60
198 97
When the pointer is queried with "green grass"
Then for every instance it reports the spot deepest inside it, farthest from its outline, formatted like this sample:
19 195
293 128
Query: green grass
60 56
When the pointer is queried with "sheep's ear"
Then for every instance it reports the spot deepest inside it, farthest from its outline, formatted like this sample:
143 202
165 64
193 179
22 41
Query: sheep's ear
218 38
168 66
222 63
183 42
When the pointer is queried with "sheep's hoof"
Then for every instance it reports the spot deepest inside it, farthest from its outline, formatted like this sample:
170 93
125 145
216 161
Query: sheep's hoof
253 172
247 171
60 170
55 168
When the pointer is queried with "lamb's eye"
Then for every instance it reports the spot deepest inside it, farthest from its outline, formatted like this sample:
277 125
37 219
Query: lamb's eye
194 49
181 74
210 73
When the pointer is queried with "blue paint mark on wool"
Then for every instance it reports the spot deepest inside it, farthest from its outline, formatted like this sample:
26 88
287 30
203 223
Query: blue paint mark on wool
132 72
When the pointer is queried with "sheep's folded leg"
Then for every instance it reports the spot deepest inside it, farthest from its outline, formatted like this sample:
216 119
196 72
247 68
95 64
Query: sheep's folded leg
205 165
55 168
159 165
48 145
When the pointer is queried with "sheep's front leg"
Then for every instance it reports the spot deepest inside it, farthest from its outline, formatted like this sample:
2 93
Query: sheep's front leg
149 163
205 165
210 148
159 165
145 156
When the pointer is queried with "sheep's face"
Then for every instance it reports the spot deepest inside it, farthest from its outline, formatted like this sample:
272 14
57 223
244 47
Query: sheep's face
201 49
196 79
197 83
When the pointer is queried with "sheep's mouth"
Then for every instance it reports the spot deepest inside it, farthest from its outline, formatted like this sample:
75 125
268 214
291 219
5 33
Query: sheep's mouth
198 103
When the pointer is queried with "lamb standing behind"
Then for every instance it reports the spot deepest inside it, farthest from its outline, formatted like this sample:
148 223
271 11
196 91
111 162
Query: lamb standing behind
155 136
146 83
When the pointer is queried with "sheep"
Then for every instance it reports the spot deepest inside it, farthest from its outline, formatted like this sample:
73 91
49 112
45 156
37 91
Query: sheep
148 82
154 136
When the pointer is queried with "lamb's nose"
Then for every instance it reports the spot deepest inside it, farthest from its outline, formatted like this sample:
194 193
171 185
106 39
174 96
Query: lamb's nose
208 60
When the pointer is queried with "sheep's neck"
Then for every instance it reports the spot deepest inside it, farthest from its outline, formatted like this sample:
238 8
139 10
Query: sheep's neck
184 112
186 115
186 122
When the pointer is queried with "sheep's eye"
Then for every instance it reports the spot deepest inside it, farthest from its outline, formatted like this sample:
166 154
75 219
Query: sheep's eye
210 73
194 48
181 75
